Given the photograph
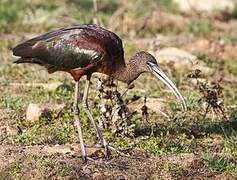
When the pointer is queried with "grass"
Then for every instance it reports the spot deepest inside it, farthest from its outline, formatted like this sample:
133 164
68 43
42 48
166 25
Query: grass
42 167
221 163
199 26
13 171
8 15
158 138
168 6
231 66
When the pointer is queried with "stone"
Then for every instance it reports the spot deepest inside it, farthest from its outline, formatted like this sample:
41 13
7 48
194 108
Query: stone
195 81
33 112
153 104
208 6
191 161
180 59
36 111
225 176
61 149
200 45
230 52
8 131
71 149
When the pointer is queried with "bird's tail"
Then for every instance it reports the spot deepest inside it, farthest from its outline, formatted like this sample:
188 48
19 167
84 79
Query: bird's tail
28 60
29 49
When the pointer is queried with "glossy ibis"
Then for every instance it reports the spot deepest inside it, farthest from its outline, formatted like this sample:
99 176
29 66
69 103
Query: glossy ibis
85 49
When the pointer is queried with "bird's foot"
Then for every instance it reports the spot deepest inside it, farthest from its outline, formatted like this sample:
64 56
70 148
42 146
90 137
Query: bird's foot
108 149
120 152
84 159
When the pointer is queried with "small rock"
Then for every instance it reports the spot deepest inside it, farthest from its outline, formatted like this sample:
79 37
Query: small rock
209 6
61 149
8 131
72 149
181 59
201 45
230 52
192 162
99 175
195 81
11 131
36 111
175 54
225 176
153 104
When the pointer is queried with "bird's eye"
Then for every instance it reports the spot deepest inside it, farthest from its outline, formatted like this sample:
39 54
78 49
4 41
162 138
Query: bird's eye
150 63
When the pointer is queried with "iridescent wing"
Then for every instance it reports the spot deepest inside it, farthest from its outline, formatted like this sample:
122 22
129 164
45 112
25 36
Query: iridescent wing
69 48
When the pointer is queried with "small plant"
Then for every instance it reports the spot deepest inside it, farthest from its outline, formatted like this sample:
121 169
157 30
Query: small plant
231 66
199 26
212 96
221 163
114 110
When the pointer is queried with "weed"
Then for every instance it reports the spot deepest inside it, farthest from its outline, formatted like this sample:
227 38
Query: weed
153 146
115 112
221 163
199 26
11 102
211 95
14 171
176 170
169 6
231 66
8 14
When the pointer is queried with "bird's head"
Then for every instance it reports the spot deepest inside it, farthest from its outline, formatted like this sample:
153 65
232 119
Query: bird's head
145 62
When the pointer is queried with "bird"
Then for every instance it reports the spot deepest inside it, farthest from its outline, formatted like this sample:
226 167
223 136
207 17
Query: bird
81 50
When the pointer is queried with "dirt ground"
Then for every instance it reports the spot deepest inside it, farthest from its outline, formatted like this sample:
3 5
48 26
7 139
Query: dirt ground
141 166
197 50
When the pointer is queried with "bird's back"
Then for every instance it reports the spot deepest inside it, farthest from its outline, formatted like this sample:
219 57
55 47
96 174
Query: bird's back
71 48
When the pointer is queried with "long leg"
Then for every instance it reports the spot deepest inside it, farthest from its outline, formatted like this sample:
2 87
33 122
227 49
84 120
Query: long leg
86 109
98 131
76 113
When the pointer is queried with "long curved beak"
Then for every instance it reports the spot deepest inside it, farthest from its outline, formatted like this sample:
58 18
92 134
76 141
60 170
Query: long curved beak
155 69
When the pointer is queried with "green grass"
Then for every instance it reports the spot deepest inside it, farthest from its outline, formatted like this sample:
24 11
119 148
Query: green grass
230 146
231 66
14 171
169 6
35 167
9 14
175 170
159 137
199 26
221 163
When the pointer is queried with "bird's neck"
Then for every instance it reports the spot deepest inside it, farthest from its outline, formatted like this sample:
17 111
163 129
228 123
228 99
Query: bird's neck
127 73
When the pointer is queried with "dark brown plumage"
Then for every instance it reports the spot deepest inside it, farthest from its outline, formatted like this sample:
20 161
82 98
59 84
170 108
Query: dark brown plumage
83 50
87 46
